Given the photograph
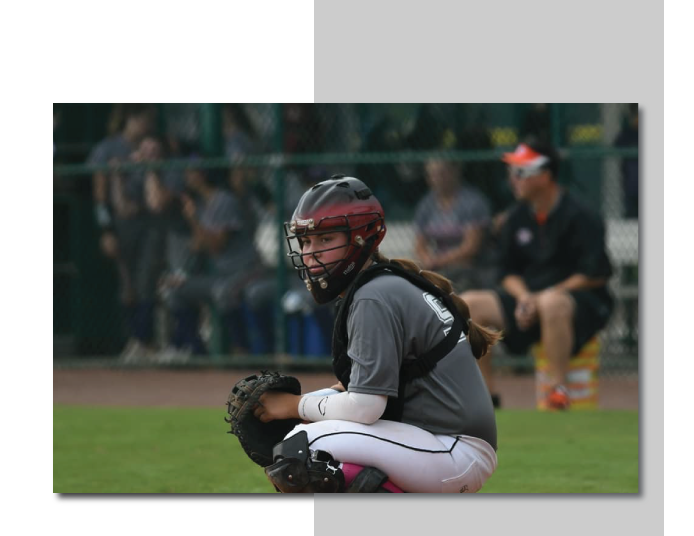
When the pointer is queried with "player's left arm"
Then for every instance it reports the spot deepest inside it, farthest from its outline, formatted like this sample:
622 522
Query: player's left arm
345 406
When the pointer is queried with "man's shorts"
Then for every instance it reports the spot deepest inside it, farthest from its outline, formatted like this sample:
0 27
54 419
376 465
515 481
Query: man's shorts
591 313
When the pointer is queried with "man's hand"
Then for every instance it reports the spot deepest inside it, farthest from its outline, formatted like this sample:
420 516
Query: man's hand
526 311
338 387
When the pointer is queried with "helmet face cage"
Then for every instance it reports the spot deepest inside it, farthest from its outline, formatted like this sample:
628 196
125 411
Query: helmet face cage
335 273
294 235
338 205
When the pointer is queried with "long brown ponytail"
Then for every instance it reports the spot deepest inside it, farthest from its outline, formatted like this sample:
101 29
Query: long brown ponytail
481 338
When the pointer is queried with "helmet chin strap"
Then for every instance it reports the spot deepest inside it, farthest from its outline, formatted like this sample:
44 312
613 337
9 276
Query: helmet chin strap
327 289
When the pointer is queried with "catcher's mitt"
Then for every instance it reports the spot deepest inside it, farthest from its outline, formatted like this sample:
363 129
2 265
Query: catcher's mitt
258 438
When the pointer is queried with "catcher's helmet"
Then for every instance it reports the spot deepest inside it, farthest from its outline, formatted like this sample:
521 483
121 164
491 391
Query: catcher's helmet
339 204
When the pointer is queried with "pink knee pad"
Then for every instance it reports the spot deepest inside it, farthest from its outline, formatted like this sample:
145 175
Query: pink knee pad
351 470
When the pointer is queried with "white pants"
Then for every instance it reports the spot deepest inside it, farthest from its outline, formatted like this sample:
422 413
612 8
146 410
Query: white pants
415 460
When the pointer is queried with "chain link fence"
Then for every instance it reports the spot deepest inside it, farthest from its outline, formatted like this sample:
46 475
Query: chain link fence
135 279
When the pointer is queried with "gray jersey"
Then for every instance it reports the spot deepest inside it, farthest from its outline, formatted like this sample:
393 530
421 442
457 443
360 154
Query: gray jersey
223 212
391 320
446 229
112 147
133 182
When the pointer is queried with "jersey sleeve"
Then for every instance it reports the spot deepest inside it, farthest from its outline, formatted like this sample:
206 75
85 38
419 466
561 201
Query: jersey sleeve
375 346
223 216
98 155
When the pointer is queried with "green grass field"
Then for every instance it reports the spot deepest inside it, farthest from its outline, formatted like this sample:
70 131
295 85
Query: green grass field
172 450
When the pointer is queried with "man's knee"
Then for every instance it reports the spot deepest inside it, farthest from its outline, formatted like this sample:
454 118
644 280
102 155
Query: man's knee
484 307
476 298
555 305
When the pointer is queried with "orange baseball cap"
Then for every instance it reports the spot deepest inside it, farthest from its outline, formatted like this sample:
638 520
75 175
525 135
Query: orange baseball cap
525 156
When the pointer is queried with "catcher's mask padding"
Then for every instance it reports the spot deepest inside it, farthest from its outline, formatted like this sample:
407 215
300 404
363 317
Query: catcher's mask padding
296 470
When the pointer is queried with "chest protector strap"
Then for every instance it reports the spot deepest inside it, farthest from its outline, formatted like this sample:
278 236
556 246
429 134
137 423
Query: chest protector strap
411 368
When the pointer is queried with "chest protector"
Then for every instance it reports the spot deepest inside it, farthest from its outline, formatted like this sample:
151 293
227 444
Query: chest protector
411 368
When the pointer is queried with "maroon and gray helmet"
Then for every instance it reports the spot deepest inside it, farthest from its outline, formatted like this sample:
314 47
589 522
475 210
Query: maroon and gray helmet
339 204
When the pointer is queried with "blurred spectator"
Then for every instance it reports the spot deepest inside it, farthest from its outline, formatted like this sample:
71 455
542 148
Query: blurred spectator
222 232
251 195
259 294
554 271
138 121
433 130
240 138
120 215
164 190
629 137
451 222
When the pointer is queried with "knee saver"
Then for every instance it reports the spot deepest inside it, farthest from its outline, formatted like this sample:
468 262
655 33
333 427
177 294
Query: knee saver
296 470
369 480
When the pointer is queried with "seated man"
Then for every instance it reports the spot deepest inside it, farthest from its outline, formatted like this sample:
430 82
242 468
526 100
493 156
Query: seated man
554 270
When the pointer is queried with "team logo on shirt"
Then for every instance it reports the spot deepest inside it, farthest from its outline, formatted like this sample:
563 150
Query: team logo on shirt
438 307
442 313
524 236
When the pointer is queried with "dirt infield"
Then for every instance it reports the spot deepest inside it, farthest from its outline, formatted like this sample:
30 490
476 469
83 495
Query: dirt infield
210 388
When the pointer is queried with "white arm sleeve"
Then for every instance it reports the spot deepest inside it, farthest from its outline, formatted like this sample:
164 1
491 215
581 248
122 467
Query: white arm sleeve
324 392
356 407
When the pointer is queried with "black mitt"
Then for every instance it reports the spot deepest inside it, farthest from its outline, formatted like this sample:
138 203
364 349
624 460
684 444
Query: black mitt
258 438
